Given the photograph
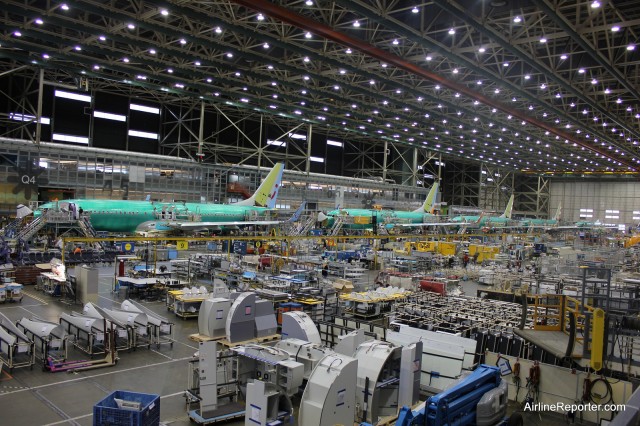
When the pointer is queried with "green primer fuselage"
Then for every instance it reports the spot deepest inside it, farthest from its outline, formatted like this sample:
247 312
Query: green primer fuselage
126 215
381 217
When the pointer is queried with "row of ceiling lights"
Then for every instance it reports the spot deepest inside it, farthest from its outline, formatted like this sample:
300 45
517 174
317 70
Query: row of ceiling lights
164 12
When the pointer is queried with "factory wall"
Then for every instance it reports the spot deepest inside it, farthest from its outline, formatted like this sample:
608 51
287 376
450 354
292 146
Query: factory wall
591 200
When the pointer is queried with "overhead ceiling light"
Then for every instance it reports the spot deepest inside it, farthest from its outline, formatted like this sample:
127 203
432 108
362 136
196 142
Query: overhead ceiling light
428 58
452 31
506 64
308 3
517 19
595 4
482 50
39 21
260 17
607 91
183 41
415 10
305 59
45 56
78 48
356 24
527 77
594 81
563 57
307 35
131 26
581 71
197 63
217 30
266 46
151 51
615 28
209 80
631 47
543 86
96 67
229 55
164 12
64 6
348 51
455 70
543 40
17 33
395 42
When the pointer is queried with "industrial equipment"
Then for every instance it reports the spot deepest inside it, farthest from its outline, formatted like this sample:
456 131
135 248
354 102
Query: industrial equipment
307 353
161 328
213 317
16 349
330 395
268 378
383 371
49 338
298 325
209 382
480 399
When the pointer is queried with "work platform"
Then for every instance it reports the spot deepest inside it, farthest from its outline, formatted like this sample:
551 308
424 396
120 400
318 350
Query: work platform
554 343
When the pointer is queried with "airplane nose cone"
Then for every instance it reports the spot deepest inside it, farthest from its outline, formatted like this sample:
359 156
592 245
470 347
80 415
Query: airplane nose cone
322 217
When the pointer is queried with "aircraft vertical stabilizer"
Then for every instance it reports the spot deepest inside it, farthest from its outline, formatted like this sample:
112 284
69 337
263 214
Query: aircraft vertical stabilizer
267 193
558 214
429 202
507 211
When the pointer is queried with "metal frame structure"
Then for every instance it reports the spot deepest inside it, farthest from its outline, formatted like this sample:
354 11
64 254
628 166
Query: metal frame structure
537 86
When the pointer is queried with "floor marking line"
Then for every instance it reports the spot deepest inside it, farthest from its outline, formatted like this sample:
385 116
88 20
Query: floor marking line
69 420
160 353
31 295
98 375
91 414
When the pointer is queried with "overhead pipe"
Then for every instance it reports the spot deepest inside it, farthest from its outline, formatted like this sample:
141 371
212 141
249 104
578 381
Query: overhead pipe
292 18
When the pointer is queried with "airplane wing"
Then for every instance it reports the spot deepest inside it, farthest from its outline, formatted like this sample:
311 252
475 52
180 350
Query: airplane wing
193 226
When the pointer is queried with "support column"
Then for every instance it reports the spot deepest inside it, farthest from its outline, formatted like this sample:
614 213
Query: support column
308 164
384 161
39 107
200 154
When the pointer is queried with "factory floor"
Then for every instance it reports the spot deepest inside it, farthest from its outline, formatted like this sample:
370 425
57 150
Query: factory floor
33 397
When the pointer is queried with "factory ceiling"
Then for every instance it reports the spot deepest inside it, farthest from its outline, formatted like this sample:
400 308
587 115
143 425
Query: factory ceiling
533 85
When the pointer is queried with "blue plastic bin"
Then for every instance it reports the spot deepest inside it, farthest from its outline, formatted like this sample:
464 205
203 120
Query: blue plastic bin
107 413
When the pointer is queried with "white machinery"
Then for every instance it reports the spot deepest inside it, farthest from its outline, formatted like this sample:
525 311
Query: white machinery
250 318
307 353
349 342
124 332
208 383
161 328
212 317
268 378
444 356
329 397
298 325
388 378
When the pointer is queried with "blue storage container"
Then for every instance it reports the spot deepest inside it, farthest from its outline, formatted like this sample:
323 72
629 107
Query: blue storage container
107 413
172 254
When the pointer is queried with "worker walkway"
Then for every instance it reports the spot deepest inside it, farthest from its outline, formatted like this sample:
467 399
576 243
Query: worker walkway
554 343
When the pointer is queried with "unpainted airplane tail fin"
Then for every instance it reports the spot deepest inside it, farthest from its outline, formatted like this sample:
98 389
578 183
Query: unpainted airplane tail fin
507 211
296 215
558 214
267 193
430 201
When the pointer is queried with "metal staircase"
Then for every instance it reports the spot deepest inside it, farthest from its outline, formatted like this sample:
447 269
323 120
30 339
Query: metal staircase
337 226
293 231
32 228
84 223
11 229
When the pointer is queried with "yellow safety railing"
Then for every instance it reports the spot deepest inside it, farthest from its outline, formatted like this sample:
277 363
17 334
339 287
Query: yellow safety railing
552 312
